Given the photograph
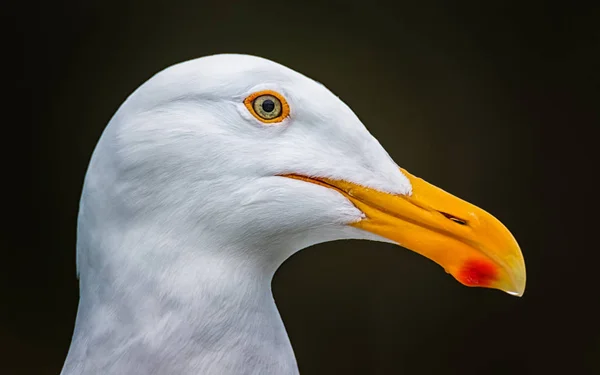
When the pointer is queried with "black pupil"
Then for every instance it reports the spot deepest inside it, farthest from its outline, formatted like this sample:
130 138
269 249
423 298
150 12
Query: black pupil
268 105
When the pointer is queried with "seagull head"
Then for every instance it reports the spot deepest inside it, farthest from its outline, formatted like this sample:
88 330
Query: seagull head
251 154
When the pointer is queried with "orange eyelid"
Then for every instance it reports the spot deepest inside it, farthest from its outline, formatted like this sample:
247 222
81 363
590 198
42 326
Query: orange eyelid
285 108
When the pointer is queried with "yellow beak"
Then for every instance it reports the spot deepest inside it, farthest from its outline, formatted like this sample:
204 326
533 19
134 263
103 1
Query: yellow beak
471 244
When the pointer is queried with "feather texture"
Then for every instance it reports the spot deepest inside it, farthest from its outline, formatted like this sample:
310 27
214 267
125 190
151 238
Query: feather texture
184 219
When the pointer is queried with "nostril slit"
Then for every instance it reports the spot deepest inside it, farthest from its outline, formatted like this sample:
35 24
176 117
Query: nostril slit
454 218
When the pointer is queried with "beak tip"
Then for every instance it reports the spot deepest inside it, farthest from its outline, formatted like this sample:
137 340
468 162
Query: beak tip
487 274
518 293
520 281
517 288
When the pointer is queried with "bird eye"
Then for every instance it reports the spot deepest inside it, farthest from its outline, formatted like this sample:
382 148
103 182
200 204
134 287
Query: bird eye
267 106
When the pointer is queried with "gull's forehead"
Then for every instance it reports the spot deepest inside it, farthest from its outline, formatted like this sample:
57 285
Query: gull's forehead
232 77
229 75
232 63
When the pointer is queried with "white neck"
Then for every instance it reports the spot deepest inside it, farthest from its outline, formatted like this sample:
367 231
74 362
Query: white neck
176 282
197 314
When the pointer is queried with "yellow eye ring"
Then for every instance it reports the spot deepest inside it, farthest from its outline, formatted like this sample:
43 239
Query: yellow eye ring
267 106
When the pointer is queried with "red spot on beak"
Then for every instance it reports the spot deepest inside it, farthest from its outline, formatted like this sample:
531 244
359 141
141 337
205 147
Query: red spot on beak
477 273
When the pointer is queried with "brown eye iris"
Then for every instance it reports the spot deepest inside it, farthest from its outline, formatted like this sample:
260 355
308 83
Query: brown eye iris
267 106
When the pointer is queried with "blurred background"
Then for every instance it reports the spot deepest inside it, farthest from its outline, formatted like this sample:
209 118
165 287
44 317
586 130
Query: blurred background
494 102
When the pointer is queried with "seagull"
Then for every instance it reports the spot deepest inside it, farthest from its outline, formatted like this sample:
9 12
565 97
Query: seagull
207 178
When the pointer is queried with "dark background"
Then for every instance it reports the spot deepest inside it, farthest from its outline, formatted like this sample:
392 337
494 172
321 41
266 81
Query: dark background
495 103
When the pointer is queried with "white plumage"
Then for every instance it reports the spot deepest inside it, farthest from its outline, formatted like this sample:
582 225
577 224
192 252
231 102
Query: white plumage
185 217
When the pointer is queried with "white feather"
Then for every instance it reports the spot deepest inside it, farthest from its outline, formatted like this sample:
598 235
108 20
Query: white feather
183 220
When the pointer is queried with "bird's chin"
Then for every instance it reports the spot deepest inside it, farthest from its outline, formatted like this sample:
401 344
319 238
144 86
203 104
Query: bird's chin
469 243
